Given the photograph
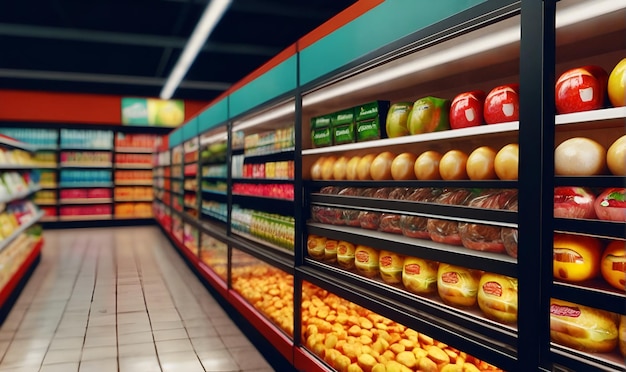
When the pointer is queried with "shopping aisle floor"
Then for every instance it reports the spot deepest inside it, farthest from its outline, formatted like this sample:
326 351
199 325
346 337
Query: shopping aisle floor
119 299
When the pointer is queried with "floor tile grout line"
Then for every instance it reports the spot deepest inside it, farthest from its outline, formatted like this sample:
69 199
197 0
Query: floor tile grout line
143 292
82 263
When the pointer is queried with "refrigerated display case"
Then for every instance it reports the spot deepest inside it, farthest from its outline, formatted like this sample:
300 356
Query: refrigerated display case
472 258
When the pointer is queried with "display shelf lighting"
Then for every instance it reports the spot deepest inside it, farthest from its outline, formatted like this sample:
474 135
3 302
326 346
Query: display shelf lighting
572 12
273 114
210 18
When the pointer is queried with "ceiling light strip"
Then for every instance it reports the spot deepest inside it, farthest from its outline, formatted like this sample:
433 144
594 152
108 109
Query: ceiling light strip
210 18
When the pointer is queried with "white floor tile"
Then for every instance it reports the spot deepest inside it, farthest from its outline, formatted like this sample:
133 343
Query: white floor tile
119 300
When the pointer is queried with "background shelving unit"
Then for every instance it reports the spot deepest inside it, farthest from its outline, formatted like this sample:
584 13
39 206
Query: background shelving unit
21 238
67 160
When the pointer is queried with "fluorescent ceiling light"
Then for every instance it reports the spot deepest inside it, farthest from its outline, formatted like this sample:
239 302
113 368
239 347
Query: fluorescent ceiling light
210 18
273 114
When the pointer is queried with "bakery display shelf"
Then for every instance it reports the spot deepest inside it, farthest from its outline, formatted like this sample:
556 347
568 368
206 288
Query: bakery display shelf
85 201
134 183
599 228
282 155
499 263
574 360
590 181
86 165
93 217
7 241
279 340
276 256
468 184
19 195
424 305
134 150
214 280
134 166
446 135
20 274
253 245
474 343
593 293
85 185
304 360
497 217
263 180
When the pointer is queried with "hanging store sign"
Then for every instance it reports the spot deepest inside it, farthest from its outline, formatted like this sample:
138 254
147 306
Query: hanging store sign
152 112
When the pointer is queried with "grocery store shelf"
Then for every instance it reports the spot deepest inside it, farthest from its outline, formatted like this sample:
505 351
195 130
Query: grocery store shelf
134 150
499 263
615 115
94 217
215 192
85 201
580 361
7 166
21 273
133 166
20 195
262 197
45 202
470 334
285 154
87 165
459 213
46 147
133 200
134 183
77 148
48 187
135 218
190 190
264 244
85 185
446 135
7 141
49 219
214 280
594 293
46 166
7 241
262 180
599 228
590 181
211 214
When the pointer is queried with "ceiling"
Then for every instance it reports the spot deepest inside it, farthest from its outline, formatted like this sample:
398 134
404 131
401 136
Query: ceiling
128 47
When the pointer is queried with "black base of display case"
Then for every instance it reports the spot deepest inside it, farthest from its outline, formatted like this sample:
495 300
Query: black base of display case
273 357
98 223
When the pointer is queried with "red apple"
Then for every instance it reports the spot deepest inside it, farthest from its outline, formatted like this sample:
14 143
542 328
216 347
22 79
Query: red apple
573 202
502 104
581 89
611 204
467 109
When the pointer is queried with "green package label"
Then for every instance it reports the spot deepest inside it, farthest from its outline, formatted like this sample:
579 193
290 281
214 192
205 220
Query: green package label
321 137
344 134
368 130
320 122
342 117
371 110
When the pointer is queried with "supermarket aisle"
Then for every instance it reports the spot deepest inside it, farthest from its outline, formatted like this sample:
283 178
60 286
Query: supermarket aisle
119 299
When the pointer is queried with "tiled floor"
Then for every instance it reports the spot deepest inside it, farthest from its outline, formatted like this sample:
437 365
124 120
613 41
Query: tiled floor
119 299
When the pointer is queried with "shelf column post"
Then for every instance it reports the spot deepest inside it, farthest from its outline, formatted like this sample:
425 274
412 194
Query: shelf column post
536 192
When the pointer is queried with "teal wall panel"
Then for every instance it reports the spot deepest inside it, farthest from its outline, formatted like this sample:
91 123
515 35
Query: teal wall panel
190 129
277 81
175 138
384 24
213 116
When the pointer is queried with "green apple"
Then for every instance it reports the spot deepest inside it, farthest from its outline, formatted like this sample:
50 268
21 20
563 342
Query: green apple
397 118
429 114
